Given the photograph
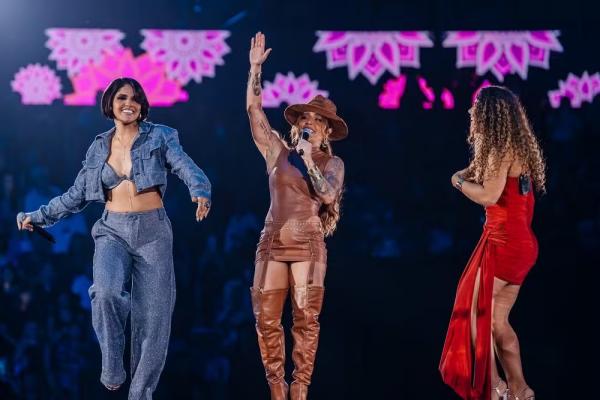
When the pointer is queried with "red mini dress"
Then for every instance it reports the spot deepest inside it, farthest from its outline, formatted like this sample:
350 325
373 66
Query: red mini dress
507 250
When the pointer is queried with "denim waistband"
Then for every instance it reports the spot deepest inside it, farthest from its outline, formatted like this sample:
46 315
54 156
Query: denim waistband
116 215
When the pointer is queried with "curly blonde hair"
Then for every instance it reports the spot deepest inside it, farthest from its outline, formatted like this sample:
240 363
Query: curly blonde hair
328 213
500 129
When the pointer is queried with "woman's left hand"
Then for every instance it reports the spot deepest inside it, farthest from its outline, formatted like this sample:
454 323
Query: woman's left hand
306 148
203 207
458 174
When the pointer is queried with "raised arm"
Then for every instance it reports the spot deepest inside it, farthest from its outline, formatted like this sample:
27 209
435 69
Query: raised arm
267 141
328 184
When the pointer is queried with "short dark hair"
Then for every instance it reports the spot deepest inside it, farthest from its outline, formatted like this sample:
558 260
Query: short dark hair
138 95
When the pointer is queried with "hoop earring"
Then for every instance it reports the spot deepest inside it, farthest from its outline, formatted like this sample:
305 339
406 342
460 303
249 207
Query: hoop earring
324 145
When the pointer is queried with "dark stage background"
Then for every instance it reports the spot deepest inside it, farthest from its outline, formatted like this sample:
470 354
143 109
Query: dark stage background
403 240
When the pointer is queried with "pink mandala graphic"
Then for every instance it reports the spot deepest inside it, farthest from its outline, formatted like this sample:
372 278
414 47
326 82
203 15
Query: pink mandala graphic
291 90
37 84
503 52
73 49
186 54
372 53
94 78
577 90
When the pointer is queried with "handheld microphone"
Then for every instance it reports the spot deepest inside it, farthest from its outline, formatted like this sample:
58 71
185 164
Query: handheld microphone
305 134
37 229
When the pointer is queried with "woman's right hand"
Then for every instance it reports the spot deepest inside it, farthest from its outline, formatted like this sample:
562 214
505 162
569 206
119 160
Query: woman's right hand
24 222
258 55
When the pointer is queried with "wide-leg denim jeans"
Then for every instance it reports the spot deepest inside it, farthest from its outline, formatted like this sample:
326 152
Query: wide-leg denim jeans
133 273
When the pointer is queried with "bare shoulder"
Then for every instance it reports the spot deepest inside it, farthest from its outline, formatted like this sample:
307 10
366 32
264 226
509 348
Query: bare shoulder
335 163
277 141
278 136
276 146
513 163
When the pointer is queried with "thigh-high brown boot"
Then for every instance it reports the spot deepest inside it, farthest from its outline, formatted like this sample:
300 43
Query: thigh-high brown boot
306 303
268 307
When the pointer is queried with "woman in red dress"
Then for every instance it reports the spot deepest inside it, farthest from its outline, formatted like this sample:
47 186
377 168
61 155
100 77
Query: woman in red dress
507 164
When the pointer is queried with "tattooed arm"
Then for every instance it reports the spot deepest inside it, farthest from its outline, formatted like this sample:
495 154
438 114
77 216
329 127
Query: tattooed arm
266 139
327 184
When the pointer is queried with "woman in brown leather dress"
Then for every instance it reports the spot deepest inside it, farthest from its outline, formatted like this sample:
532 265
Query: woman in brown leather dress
305 183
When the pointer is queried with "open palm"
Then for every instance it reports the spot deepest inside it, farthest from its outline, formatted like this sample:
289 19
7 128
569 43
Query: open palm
258 55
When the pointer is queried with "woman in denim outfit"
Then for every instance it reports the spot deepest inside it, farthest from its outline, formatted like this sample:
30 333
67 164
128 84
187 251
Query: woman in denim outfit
126 167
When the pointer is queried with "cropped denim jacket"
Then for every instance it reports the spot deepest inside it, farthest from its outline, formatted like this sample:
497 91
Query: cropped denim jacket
155 151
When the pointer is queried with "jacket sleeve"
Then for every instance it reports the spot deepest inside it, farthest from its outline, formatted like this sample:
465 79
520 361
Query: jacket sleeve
185 168
70 202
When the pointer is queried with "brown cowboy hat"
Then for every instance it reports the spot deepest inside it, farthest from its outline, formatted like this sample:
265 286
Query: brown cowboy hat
324 107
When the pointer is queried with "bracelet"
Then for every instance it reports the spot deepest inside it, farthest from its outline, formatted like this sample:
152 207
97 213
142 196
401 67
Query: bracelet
459 183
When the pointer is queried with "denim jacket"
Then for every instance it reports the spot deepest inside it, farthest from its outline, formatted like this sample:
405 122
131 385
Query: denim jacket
155 151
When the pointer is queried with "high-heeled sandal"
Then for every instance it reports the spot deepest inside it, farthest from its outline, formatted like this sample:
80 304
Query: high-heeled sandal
523 395
501 389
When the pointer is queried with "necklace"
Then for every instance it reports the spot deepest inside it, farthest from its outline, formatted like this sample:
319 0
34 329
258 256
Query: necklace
125 148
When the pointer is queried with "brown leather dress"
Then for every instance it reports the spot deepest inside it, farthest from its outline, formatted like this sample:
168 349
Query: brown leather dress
293 230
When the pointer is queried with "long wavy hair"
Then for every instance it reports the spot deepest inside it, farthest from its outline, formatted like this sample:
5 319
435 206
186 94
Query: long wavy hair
328 213
500 128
